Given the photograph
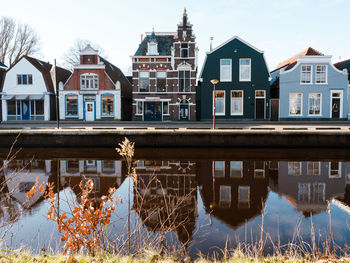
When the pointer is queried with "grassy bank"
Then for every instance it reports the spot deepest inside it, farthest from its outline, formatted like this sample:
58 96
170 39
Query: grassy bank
149 257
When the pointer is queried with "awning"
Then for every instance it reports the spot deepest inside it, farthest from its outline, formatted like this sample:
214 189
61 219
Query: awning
36 97
21 97
7 97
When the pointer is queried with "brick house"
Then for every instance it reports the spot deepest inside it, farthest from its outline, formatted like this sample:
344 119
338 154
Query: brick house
164 75
97 90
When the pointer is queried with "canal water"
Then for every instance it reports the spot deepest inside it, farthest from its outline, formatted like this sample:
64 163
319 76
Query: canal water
196 200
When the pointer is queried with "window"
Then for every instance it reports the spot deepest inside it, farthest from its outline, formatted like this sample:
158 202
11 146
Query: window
304 192
184 81
295 103
89 81
236 169
144 81
294 168
72 166
108 167
225 70
161 81
313 168
319 190
236 102
152 49
71 105
25 79
165 108
334 170
139 107
243 196
306 74
107 105
219 168
225 196
259 169
13 109
220 102
244 69
184 50
314 103
37 109
321 74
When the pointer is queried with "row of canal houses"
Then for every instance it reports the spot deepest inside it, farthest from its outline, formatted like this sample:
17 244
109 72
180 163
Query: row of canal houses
164 85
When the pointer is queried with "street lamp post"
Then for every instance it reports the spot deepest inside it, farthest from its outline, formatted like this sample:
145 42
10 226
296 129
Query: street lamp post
214 82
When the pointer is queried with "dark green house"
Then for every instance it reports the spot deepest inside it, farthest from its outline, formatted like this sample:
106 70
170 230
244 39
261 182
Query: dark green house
242 92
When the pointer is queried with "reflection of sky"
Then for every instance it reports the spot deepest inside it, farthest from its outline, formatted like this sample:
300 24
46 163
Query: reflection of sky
36 232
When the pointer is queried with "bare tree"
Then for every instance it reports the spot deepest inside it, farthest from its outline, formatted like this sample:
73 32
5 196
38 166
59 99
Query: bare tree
72 56
16 40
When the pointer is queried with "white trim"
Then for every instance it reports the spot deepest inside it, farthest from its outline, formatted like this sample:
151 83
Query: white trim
341 102
301 104
95 66
264 103
326 80
339 171
240 113
232 38
250 70
226 66
301 73
214 97
308 104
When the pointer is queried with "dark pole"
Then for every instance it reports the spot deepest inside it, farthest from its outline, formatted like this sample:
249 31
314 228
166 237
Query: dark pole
214 104
57 100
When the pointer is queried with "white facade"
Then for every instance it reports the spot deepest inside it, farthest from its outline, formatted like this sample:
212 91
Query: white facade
25 93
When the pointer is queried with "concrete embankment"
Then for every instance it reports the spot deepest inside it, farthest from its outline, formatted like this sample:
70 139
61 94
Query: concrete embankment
335 137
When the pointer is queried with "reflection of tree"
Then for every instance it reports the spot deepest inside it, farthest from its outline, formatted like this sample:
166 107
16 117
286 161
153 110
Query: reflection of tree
165 198
233 191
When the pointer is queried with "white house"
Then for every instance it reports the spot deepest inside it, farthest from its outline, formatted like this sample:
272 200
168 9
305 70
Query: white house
28 90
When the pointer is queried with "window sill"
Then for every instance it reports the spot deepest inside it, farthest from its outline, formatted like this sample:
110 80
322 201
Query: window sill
225 80
236 114
306 83
295 115
245 80
220 114
326 83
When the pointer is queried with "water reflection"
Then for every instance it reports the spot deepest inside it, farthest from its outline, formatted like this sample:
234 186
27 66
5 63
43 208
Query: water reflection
176 196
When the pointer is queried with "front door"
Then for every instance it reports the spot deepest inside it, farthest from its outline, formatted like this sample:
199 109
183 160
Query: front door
153 111
336 104
89 111
184 112
259 104
25 110
274 109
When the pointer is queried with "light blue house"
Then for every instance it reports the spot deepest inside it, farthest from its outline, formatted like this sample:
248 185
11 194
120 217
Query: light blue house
310 87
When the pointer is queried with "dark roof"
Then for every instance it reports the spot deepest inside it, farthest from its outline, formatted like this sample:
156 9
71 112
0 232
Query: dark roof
113 71
2 65
165 42
293 60
45 68
345 64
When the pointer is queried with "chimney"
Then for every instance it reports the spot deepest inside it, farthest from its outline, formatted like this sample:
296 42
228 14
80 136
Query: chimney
211 43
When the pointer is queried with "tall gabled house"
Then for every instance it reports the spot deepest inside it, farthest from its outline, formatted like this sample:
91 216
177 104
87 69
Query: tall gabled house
243 89
97 90
164 75
311 88
28 90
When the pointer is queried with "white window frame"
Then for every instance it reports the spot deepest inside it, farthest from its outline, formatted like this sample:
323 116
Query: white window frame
339 175
159 76
294 163
137 107
341 102
301 74
304 186
167 113
223 169
320 72
245 66
308 110
242 99
224 99
240 199
149 49
149 82
89 78
225 202
241 169
259 173
311 171
224 67
301 104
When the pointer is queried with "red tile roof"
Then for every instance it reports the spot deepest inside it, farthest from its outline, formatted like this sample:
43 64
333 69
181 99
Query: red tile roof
293 60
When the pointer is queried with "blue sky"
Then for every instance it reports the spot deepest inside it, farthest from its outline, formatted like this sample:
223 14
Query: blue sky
279 27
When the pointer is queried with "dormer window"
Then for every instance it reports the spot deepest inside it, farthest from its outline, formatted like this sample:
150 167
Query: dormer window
89 81
152 49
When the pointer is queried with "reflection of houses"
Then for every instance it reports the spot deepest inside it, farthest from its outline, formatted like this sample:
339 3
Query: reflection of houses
233 191
18 177
308 186
165 197
103 173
